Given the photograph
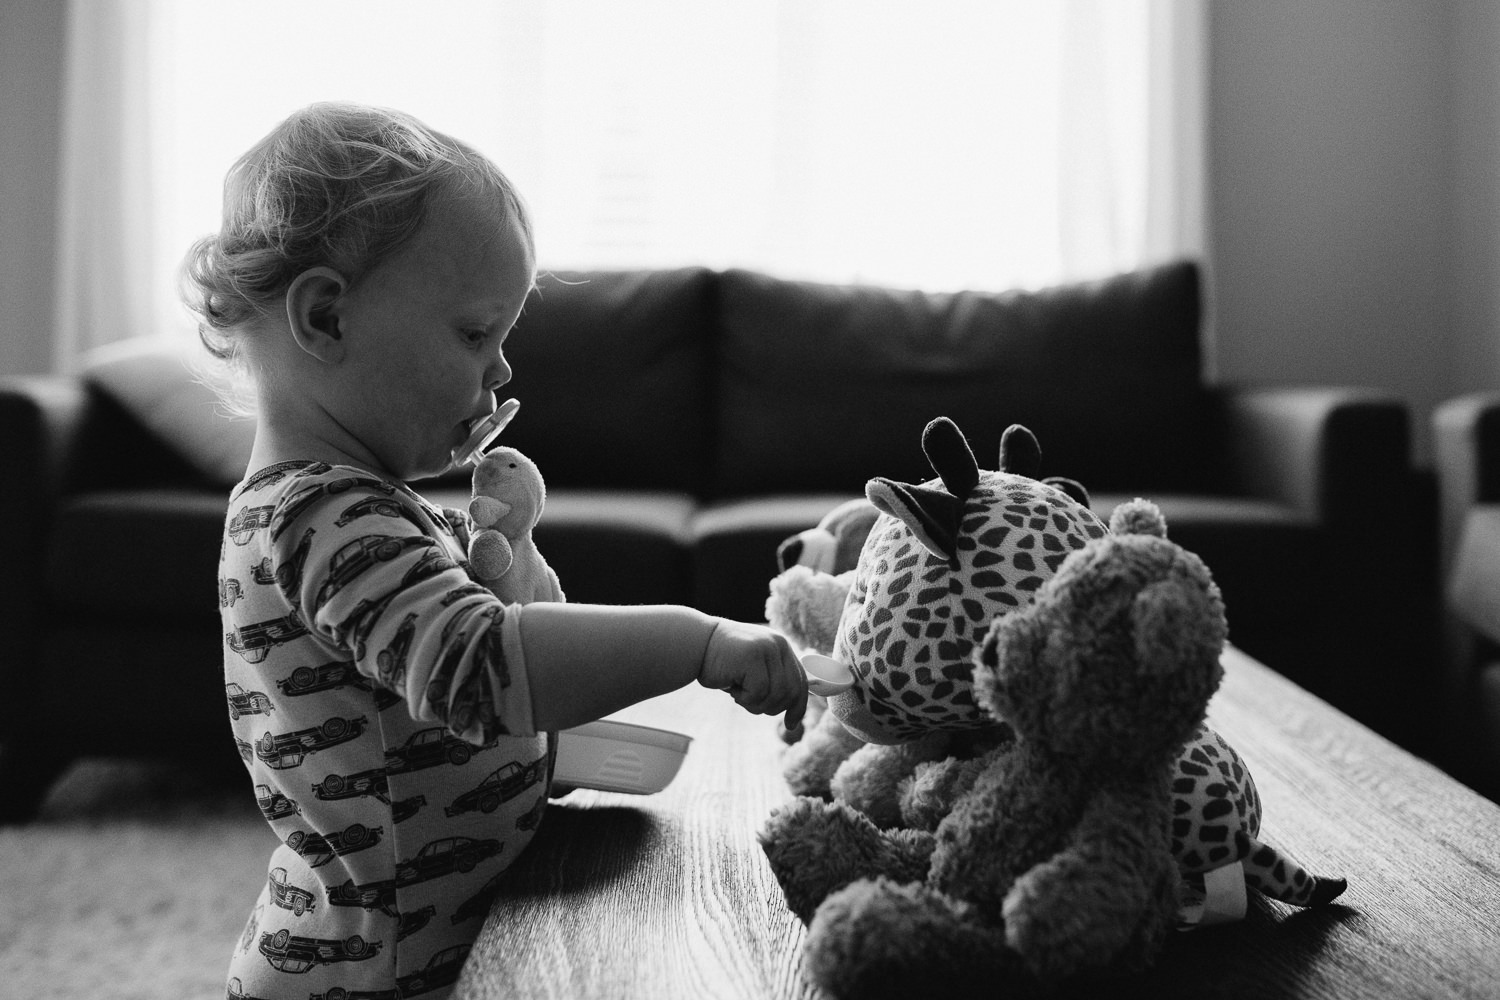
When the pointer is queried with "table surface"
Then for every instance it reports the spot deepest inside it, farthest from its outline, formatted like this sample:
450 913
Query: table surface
669 895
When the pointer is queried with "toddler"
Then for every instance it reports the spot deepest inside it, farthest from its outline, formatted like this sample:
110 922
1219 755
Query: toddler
393 714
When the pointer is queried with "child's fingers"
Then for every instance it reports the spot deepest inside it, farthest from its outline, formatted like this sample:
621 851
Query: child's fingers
778 685
757 667
796 679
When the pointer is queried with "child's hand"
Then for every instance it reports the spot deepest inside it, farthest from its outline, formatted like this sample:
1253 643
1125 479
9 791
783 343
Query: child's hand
757 667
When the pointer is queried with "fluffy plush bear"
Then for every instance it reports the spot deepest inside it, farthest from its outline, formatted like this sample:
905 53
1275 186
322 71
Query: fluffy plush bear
817 567
1055 856
509 494
942 559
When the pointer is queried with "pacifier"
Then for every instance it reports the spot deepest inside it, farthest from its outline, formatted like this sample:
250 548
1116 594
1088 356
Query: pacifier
825 675
484 432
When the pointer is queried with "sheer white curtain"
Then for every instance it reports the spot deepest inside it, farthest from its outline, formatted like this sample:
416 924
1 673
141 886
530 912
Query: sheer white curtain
956 143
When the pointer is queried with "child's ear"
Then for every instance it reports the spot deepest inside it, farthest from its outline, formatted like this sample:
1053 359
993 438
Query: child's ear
312 312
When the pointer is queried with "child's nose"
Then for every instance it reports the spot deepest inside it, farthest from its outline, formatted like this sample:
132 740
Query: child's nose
497 374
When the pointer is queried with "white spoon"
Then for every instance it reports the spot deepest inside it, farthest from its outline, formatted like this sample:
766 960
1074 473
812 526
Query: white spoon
825 675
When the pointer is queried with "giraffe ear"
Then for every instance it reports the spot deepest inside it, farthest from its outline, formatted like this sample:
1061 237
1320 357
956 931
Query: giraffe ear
1020 455
1072 487
950 457
932 515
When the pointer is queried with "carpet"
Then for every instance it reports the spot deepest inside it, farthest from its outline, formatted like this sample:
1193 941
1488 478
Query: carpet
134 882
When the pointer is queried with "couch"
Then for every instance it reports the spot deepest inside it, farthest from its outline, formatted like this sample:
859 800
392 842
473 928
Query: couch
687 421
1466 451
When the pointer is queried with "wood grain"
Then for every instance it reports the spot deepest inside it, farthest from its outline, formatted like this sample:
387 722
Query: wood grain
666 895
670 896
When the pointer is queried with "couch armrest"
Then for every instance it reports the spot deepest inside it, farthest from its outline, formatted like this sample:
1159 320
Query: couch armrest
42 420
41 426
1473 590
1330 453
1466 452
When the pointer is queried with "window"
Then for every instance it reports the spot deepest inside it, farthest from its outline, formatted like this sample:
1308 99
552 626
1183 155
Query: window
952 144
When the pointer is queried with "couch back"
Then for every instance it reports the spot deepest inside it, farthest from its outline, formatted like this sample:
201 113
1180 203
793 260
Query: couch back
735 383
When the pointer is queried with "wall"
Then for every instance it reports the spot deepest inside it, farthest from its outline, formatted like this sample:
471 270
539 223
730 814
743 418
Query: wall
1475 123
31 61
1354 177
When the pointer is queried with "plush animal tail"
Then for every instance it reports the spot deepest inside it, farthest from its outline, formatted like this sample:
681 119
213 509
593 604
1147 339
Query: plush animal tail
1269 871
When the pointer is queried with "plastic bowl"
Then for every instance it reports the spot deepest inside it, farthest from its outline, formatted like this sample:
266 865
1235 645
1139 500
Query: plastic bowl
618 757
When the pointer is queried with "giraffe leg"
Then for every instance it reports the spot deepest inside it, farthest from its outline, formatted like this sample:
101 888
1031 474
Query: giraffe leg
1275 874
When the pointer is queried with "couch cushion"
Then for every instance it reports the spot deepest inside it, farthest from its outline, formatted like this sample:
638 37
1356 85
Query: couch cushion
611 369
734 549
152 552
611 546
824 386
167 383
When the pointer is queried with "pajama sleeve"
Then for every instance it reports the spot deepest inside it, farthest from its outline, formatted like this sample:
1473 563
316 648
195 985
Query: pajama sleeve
379 578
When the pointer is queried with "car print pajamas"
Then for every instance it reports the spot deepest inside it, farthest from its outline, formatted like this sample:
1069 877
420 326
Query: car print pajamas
373 689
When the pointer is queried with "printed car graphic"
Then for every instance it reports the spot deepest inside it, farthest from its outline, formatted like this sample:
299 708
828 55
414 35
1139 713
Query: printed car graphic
441 970
454 648
357 556
288 896
414 921
428 748
289 573
262 572
319 849
529 819
273 474
429 565
242 702
247 752
501 785
407 808
339 993
246 522
391 661
274 805
292 953
369 896
385 506
444 857
356 627
296 504
236 991
230 591
247 936
255 641
478 905
282 750
324 677
457 594
352 786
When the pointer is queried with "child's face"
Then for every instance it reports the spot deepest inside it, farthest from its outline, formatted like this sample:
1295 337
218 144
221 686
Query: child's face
423 332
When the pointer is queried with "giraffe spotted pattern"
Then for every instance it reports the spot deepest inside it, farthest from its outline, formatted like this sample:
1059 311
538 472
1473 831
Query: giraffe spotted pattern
912 617
1216 821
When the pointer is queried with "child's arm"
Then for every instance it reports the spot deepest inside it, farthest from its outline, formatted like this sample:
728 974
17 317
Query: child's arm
586 661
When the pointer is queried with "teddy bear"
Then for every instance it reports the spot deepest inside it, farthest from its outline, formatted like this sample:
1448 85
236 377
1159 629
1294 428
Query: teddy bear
1059 855
807 596
817 567
507 502
938 563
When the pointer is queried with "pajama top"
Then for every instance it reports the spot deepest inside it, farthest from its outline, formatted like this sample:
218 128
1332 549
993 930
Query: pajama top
379 699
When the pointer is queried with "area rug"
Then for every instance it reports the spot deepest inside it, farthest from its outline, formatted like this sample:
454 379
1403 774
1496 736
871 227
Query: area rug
135 882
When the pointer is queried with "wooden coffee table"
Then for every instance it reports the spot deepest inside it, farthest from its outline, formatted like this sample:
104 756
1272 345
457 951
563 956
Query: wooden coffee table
670 896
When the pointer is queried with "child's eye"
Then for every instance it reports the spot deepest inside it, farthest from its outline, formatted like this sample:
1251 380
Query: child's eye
473 337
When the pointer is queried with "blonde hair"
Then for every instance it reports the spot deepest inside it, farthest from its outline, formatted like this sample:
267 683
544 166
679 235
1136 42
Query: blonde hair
337 185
